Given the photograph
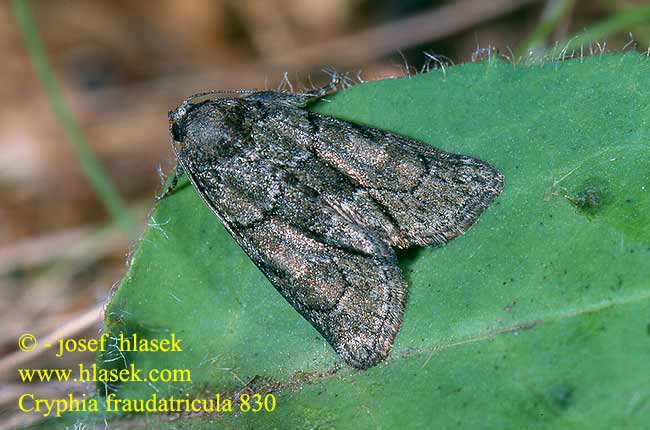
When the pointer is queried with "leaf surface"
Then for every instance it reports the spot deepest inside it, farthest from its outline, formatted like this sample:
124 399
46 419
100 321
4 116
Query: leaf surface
537 317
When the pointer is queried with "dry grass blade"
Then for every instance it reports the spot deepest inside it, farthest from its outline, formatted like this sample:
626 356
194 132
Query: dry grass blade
90 318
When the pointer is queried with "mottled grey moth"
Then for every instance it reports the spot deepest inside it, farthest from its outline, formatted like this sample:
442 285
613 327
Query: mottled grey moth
319 203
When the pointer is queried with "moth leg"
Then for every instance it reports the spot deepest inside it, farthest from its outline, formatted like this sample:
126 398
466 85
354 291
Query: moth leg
178 173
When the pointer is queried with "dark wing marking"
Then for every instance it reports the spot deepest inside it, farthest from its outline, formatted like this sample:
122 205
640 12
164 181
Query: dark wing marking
430 196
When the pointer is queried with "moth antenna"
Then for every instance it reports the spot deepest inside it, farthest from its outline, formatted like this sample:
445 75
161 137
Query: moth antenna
181 110
207 93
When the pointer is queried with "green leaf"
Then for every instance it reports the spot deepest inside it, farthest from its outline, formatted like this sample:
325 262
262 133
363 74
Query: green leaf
537 317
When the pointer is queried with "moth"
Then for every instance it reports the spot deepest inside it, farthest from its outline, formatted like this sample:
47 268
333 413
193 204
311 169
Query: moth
319 204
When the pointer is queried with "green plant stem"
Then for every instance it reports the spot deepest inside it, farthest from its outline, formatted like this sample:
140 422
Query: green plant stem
616 23
91 166
641 33
554 14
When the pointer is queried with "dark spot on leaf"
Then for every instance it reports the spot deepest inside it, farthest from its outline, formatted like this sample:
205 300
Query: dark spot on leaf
562 395
647 329
509 306
591 197
619 283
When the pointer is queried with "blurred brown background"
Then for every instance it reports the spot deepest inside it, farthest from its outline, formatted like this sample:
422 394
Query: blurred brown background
123 64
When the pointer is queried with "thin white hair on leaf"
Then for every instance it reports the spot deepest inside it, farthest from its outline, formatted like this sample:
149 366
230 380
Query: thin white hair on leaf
554 54
175 297
331 72
110 294
406 68
630 42
153 387
106 388
113 352
78 426
162 178
481 54
401 71
285 83
359 75
530 58
566 48
438 61
345 81
478 52
211 359
161 175
511 57
338 79
311 86
129 255
158 226
334 75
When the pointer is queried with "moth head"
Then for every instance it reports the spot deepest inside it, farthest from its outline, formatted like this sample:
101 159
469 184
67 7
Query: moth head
178 117
175 121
